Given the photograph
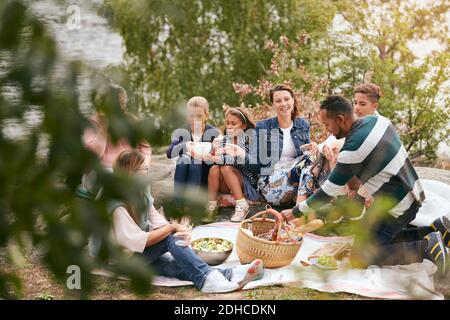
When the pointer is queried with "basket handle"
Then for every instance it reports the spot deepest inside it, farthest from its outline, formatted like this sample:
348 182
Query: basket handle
279 230
288 231
271 211
285 226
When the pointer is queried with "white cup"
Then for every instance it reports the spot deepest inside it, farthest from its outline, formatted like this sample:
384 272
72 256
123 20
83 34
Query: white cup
182 239
202 148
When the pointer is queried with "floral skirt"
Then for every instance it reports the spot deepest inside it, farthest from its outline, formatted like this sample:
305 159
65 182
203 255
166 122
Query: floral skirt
278 189
314 176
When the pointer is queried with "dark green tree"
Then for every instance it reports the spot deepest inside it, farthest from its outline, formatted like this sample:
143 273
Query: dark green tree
416 89
178 49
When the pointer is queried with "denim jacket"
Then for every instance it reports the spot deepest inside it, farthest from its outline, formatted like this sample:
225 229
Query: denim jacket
270 138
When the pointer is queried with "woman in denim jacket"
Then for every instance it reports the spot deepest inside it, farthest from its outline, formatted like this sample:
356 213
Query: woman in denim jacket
282 143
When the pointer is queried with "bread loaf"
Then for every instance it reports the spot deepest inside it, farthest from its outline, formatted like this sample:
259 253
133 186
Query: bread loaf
310 226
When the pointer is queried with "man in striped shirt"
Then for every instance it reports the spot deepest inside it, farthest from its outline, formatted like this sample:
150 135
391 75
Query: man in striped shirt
374 154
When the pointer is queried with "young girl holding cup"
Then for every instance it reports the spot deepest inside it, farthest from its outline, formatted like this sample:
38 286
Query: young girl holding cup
234 171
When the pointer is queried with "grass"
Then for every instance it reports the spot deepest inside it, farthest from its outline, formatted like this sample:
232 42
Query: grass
38 284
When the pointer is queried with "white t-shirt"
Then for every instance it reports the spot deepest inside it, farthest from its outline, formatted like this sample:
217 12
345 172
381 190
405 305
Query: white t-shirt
288 152
128 234
157 220
197 138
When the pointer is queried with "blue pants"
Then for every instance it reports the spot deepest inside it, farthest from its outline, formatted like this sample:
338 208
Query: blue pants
189 174
183 263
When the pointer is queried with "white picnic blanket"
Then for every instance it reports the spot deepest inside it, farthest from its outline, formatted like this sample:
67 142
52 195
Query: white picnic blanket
396 282
436 204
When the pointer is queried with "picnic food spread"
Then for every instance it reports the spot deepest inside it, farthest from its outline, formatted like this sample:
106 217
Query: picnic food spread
330 256
212 245
327 261
213 251
337 250
270 240
284 236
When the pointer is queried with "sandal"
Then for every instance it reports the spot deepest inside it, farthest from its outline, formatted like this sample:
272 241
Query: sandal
240 213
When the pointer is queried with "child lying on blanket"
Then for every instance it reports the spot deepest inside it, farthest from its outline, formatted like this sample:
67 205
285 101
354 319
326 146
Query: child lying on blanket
134 231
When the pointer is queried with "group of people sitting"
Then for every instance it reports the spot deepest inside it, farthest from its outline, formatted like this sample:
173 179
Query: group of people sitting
275 161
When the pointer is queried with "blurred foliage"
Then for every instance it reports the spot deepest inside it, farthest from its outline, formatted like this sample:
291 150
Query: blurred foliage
288 65
177 49
365 245
42 161
417 91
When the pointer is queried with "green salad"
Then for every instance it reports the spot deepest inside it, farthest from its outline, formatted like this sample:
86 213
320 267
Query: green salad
327 261
212 245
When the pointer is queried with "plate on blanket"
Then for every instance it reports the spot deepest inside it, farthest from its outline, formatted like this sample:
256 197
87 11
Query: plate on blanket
325 263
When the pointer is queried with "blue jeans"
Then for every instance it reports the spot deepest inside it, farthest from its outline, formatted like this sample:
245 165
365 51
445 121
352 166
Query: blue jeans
189 175
183 263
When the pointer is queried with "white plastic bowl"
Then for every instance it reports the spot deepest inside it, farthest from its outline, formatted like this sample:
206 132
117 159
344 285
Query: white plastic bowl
203 148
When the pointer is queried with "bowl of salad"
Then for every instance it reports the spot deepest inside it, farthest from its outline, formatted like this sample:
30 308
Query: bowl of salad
213 251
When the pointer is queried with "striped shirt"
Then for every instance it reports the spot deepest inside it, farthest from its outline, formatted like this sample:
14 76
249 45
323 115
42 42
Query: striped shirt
251 172
374 154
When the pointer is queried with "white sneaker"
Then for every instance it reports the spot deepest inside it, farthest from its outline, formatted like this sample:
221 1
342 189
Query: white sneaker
240 212
215 282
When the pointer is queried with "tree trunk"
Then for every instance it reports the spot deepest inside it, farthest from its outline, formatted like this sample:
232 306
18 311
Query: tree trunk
382 51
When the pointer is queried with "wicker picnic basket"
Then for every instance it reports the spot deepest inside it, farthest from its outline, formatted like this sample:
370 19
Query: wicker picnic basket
274 254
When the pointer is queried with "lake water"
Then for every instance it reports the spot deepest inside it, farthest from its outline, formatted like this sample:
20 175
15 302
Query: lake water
94 43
